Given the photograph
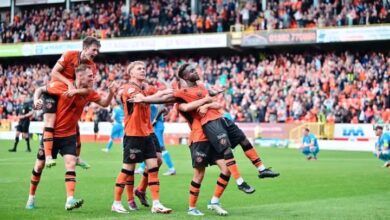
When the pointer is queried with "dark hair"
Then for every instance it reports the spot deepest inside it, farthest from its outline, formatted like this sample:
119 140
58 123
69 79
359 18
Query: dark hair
379 127
182 69
88 41
307 129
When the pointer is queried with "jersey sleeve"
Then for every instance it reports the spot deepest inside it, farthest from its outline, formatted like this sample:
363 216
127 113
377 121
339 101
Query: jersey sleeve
93 97
127 93
65 58
56 88
179 95
151 90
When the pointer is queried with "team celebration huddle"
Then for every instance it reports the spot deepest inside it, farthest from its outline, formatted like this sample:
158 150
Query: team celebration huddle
212 138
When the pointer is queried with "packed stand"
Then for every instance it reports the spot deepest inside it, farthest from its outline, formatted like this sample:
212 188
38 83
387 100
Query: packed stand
315 13
109 19
336 88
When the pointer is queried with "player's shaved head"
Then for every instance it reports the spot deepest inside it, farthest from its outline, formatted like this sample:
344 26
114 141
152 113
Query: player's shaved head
182 70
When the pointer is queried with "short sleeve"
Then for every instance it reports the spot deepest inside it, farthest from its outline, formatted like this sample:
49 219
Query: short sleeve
56 88
65 58
128 92
151 90
93 97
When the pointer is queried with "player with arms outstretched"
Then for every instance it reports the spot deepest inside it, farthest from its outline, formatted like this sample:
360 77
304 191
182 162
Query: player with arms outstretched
138 145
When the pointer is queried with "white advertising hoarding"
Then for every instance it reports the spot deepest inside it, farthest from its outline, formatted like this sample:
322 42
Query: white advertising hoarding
357 132
351 34
199 41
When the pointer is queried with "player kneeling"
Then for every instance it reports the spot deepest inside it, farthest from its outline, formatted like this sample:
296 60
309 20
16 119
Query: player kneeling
382 146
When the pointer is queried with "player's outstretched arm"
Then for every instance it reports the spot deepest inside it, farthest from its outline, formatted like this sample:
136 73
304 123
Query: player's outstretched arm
191 106
107 100
165 96
82 91
214 92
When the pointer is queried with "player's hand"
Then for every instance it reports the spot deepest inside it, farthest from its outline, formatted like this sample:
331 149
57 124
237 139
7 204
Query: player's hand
378 153
71 93
164 110
202 110
71 86
208 99
113 87
138 98
38 104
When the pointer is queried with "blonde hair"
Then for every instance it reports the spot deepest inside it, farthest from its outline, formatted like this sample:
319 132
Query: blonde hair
133 64
82 68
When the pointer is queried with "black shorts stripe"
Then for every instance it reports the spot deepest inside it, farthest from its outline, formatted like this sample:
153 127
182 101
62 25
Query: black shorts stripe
70 180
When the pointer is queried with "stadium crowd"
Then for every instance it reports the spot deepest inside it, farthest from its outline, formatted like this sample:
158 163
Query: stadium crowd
108 19
284 87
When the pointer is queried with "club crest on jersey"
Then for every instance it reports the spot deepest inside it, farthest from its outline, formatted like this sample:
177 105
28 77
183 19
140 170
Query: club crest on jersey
199 94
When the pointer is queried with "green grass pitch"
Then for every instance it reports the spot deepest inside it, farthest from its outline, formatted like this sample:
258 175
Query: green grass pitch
340 185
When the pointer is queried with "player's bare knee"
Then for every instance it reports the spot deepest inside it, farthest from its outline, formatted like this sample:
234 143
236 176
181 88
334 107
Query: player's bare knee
198 174
70 162
150 163
127 166
39 166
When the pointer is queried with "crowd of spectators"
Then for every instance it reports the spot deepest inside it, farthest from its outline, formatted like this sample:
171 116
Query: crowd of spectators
330 87
108 19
